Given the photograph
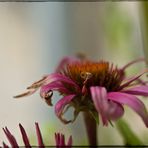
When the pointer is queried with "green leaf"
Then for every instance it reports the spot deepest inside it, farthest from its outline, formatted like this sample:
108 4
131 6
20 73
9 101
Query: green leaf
129 136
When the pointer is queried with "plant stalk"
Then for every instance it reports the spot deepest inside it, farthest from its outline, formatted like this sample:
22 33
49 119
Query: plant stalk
91 129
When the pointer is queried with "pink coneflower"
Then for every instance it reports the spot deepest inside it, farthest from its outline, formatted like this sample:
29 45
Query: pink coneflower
96 87
59 138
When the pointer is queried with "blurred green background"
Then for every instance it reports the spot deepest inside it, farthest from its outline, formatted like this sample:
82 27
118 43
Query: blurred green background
33 39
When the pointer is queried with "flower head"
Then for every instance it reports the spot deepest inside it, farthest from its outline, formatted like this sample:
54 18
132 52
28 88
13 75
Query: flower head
96 87
59 138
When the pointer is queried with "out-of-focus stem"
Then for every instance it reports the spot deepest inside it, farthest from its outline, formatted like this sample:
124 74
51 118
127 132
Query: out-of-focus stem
91 129
144 27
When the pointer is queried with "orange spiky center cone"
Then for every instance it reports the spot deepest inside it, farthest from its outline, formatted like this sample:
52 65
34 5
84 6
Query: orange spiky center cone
90 73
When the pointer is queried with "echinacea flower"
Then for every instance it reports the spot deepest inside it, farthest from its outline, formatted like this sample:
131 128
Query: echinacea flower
59 138
96 87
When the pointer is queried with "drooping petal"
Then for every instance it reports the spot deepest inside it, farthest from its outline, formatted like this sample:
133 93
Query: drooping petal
115 110
138 90
56 77
39 136
99 97
10 137
60 105
133 62
141 82
132 101
53 86
33 88
27 93
38 83
109 110
55 82
47 80
24 136
132 79
47 97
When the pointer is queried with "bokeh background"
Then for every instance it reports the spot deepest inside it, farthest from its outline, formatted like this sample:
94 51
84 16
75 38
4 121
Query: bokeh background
33 39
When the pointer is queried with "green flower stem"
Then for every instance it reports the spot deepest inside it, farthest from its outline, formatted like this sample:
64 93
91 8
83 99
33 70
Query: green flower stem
144 27
91 129
128 135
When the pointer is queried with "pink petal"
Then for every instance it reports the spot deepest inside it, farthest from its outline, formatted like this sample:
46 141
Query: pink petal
24 136
130 80
138 90
53 86
131 101
99 97
57 138
39 136
60 141
115 110
60 105
66 60
108 109
56 77
10 137
69 143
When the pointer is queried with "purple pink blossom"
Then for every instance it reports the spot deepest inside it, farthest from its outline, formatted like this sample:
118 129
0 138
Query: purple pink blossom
97 87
